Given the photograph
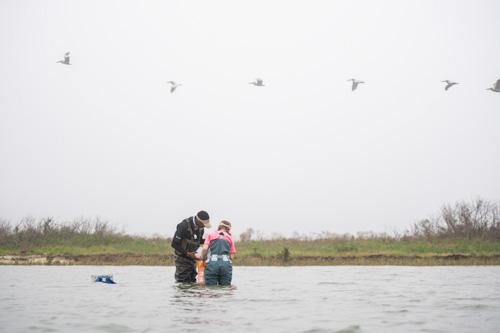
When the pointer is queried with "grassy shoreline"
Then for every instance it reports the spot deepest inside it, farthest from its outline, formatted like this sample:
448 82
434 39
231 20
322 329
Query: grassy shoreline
283 252
467 233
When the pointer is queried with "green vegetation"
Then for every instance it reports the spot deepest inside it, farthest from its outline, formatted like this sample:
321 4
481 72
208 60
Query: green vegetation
366 247
84 237
126 250
375 251
464 234
115 248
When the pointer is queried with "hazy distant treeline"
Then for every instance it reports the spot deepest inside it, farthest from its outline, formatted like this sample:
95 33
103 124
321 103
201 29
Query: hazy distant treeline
479 219
470 220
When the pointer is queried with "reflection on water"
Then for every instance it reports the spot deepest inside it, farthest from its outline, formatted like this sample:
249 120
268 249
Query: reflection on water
267 299
192 297
194 290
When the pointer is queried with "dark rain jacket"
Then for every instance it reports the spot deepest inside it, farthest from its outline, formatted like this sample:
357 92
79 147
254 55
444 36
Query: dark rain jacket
188 237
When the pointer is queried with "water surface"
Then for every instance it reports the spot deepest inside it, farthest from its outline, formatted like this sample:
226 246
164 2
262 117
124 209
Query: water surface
266 299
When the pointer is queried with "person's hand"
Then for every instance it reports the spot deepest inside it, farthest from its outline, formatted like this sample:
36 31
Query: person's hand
191 255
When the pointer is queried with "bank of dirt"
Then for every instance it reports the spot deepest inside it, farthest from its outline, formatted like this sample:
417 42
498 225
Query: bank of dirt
168 260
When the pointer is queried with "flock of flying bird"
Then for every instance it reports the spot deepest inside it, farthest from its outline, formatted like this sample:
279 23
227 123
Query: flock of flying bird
260 83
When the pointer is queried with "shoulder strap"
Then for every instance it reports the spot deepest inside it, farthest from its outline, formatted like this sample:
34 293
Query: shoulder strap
190 226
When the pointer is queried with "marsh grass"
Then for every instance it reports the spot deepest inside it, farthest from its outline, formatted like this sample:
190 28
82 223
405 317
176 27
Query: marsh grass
464 234
126 250
79 237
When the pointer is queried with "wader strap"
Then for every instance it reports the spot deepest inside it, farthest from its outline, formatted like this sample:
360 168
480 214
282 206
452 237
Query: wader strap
191 231
188 244
215 257
190 228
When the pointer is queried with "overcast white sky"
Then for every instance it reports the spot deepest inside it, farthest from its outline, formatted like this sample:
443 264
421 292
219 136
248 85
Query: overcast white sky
104 136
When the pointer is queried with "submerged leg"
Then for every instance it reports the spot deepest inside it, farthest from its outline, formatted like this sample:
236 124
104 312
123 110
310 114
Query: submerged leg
185 270
211 274
226 276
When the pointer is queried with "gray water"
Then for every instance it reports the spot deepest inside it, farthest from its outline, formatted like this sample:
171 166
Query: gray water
265 299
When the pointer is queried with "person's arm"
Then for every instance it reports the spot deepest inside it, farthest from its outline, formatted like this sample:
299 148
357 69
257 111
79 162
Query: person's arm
232 250
204 248
204 251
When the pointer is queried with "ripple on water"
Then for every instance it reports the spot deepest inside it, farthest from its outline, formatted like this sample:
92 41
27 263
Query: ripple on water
333 283
474 307
313 301
348 329
113 328
42 329
468 299
396 311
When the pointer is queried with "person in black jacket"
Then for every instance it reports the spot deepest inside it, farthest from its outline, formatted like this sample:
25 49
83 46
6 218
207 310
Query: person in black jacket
187 239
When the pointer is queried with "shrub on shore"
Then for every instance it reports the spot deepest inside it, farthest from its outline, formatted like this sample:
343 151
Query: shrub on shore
478 219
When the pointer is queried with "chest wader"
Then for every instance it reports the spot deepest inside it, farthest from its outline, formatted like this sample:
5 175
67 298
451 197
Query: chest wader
219 270
185 267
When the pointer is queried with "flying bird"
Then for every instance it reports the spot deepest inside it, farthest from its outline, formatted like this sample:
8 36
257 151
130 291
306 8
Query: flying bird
173 85
449 84
496 86
355 83
258 82
66 59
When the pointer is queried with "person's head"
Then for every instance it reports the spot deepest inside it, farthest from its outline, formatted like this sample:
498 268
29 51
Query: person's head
203 219
225 225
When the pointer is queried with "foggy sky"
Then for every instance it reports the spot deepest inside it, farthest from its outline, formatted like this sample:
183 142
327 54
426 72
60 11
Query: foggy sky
104 137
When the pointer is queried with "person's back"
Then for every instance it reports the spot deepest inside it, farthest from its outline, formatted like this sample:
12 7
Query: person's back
219 250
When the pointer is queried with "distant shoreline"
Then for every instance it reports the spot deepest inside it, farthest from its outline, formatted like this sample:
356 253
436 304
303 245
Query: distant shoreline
168 260
467 233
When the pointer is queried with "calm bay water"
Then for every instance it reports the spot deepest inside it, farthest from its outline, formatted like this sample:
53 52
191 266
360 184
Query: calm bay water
266 299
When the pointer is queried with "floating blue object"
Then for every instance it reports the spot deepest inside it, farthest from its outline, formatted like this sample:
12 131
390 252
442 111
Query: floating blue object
103 278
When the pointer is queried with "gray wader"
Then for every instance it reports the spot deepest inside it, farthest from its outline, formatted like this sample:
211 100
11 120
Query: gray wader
219 270
185 269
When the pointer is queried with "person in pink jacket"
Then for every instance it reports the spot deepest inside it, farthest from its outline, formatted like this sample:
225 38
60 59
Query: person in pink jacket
219 250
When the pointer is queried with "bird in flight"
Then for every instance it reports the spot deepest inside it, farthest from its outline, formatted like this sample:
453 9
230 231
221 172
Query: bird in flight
257 82
496 86
173 85
66 59
449 84
355 83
